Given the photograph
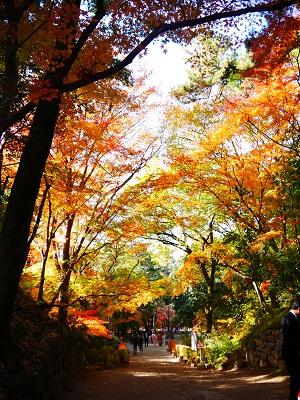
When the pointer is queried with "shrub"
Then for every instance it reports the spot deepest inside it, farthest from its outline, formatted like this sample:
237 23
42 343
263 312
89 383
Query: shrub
97 342
219 348
123 356
172 346
106 357
186 338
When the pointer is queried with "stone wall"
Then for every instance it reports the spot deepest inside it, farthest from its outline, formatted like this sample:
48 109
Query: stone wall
265 349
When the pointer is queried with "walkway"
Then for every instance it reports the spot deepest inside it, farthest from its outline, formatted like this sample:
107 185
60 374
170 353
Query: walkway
156 374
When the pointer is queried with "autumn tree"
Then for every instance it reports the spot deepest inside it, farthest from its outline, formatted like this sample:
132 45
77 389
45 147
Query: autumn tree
67 47
91 163
175 216
238 172
247 162
221 155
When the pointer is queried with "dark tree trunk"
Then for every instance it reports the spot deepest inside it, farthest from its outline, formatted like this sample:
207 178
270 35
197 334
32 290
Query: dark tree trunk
67 268
63 298
209 319
16 225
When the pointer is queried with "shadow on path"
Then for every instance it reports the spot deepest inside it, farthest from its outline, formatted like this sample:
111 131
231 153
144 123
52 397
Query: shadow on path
156 374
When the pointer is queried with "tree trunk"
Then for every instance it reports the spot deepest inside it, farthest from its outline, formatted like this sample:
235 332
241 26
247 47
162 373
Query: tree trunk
210 292
63 298
16 225
261 297
40 297
209 319
66 269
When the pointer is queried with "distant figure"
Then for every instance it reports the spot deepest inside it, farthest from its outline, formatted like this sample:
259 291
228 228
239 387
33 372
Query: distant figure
159 339
154 338
134 342
164 335
141 342
194 340
291 347
146 339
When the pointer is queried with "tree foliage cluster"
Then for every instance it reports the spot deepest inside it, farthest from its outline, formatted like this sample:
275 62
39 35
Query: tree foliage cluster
232 179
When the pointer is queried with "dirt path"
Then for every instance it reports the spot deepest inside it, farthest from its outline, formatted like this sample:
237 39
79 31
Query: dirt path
156 374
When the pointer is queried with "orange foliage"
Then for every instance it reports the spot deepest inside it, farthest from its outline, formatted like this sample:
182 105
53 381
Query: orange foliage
92 322
273 45
265 286
41 90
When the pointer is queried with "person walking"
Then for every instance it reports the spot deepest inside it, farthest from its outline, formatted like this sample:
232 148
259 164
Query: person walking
291 347
154 338
146 339
141 342
159 338
134 342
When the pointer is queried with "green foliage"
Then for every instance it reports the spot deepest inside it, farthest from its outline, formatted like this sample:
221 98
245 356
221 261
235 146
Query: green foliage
105 352
97 342
150 267
212 64
107 357
123 356
186 338
188 304
193 301
218 348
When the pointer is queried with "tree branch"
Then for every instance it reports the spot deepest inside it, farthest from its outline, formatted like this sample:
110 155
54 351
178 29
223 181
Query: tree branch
159 30
163 28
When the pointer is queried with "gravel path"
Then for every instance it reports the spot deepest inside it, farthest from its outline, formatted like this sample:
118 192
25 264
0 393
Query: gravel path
156 374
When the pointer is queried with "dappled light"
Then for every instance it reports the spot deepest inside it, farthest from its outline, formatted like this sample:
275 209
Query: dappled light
157 373
155 235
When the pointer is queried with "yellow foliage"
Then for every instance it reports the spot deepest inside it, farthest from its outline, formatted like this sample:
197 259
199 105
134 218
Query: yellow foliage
226 325
261 240
190 272
228 277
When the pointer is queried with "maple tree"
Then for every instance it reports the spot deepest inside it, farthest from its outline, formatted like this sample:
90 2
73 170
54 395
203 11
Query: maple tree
69 47
91 163
242 151
238 169
173 215
95 326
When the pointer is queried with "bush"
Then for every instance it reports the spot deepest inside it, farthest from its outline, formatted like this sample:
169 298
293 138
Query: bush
184 351
218 349
172 346
106 357
186 338
123 356
179 350
97 342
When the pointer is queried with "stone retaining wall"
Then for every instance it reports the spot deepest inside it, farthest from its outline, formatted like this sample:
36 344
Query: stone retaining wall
265 349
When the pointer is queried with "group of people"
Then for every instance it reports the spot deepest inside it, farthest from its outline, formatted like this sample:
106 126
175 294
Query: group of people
159 338
141 339
137 340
